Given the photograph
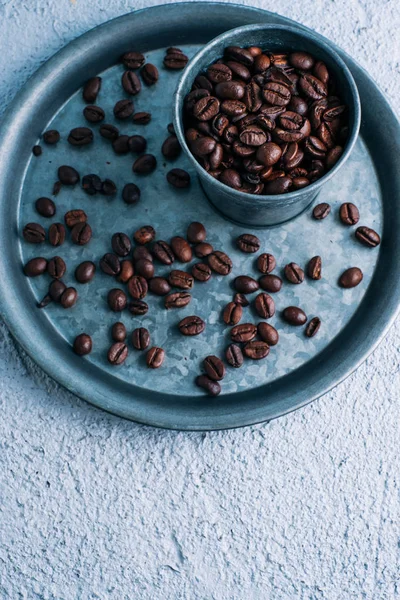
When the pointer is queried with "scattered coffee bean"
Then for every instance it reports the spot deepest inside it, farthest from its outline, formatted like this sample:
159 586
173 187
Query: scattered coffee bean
313 327
108 188
212 388
35 266
80 136
126 271
192 325
131 193
118 332
56 188
110 264
91 89
141 252
264 305
121 144
145 164
45 301
116 300
268 333
34 233
123 109
270 283
256 350
137 144
131 83
68 175
294 273
180 279
82 344
85 271
140 338
201 272
178 178
141 118
248 243
266 263
351 277
144 235
118 353
56 267
321 211
68 297
175 60
202 250
37 150
91 184
93 114
155 358
196 233
314 268
232 313
349 214
214 367
74 217
81 234
159 286
220 262
133 60
368 237
163 252
51 136
294 315
171 148
56 290
109 132
245 284
145 268
241 300
181 249
149 74
177 300
56 234
138 287
138 307
234 356
121 244
244 332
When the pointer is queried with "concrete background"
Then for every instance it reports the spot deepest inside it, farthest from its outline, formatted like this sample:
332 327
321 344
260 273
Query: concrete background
93 507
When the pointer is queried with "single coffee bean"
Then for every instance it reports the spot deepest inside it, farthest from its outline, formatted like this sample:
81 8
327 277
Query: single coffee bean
137 144
212 388
219 72
301 60
116 300
245 284
109 132
368 237
180 279
321 211
220 262
140 338
349 214
44 301
68 297
163 252
85 271
93 114
312 86
121 144
214 367
68 175
131 83
91 184
123 109
240 55
144 235
314 268
241 300
110 264
145 164
231 178
118 332
256 350
176 60
171 148
145 268
206 108
155 358
203 249
45 207
51 136
121 244
192 325
35 266
56 290
126 271
37 150
196 233
141 253
149 74
133 60
294 315
159 286
177 300
138 307
138 287
234 356
313 327
181 249
80 136
268 333
82 344
201 272
118 353
264 305
351 277
280 185
108 188
131 193
141 118
266 263
268 154
34 233
243 333
232 313
56 267
294 273
91 89
248 243
56 234
270 283
178 178
81 234
75 217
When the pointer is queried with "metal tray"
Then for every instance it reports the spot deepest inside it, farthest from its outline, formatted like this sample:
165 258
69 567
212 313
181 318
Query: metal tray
298 370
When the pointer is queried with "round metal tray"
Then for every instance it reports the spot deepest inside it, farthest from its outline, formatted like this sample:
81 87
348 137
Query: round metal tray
298 370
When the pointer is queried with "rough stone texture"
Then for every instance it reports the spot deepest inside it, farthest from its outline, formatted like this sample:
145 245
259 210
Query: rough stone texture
93 507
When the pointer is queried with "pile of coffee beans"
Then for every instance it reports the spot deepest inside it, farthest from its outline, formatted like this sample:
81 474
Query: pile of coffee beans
265 122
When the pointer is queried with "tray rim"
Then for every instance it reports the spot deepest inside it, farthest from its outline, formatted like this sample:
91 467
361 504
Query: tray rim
8 311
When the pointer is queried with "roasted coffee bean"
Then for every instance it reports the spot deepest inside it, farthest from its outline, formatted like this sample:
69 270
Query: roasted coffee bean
145 268
268 333
270 283
256 350
248 243
131 193
264 305
56 267
294 273
179 178
85 271
180 279
131 83
163 252
220 262
37 150
121 144
45 207
159 286
368 236
123 109
214 367
121 244
294 315
118 332
201 272
312 86
313 327
301 60
230 90
118 353
314 268
56 290
133 60
240 55
116 300
74 217
91 184
91 89
177 300
171 148
35 266
140 338
109 132
196 233
244 333
93 114
51 136
155 358
141 118
181 249
80 136
56 234
175 61
321 72
206 108
108 188
149 74
126 271
280 185
110 264
138 307
241 300
82 344
68 297
298 105
231 178
144 235
81 234
203 249
232 313
142 253
34 233
245 284
219 72
145 164
269 154
349 214
137 144
351 277
138 287
276 93
321 211
234 356
192 325
266 263
44 301
233 108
